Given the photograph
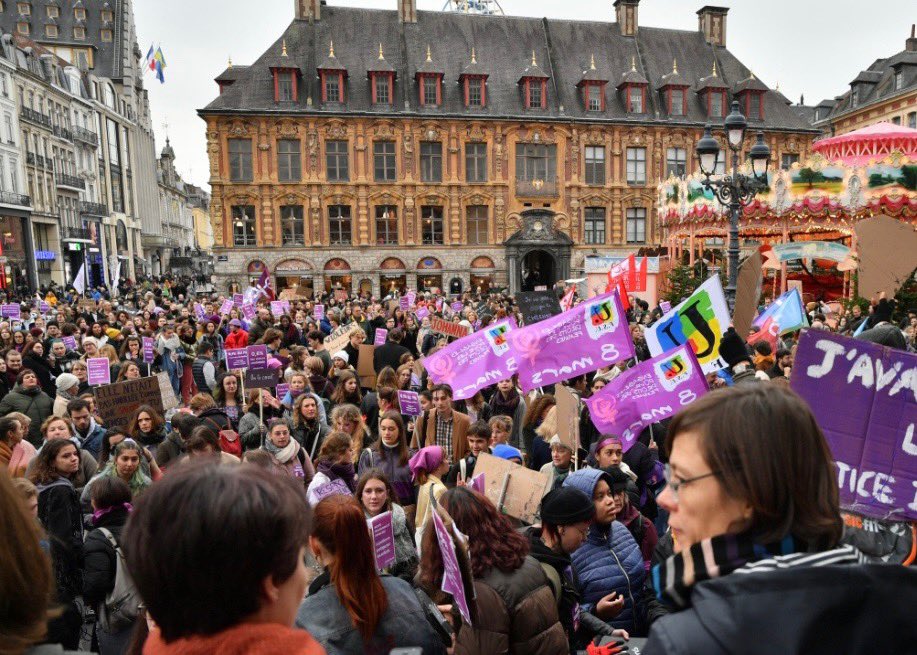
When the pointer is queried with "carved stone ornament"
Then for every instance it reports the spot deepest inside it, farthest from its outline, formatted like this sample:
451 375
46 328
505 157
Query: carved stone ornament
239 128
290 199
336 130
384 130
432 133
475 132
264 147
594 138
287 129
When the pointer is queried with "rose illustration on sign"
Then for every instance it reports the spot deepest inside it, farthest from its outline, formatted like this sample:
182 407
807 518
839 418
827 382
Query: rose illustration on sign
526 342
604 409
441 367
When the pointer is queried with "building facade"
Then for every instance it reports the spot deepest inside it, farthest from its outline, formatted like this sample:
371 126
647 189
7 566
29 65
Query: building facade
415 155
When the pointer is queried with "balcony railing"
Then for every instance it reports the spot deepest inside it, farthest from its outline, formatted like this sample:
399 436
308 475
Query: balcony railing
40 160
10 198
77 233
84 135
93 209
30 158
32 116
537 187
70 181
62 132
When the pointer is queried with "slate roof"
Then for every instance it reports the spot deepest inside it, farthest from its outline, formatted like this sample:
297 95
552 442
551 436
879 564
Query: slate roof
503 47
107 62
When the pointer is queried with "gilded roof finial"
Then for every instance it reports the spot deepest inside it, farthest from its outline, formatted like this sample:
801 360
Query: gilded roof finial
534 61
230 62
474 59
751 75
777 89
429 54
381 56
592 62
283 52
675 66
714 68
633 63
331 49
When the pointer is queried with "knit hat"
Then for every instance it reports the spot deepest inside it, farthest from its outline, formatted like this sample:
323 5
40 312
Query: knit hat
342 355
235 323
566 506
66 381
617 479
505 451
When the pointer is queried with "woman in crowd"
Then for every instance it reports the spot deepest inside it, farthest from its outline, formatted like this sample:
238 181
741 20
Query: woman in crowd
35 358
501 430
334 463
308 429
172 450
27 397
81 371
54 429
228 397
261 408
404 377
390 454
428 466
59 512
212 514
212 336
132 350
350 609
15 453
476 408
129 371
111 503
540 452
114 364
147 428
561 462
376 495
289 454
535 414
348 418
514 610
641 528
124 464
204 444
346 389
507 401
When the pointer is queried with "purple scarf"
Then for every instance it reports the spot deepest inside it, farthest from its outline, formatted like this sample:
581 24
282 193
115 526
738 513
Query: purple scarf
99 513
343 472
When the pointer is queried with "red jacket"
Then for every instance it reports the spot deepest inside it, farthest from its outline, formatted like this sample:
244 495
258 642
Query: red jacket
236 340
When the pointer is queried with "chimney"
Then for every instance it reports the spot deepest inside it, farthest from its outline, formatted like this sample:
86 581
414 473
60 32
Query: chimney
310 10
712 22
911 44
626 16
407 11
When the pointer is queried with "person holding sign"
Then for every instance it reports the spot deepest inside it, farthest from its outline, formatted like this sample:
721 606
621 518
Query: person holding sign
350 608
514 610
428 466
738 459
376 495
290 456
334 463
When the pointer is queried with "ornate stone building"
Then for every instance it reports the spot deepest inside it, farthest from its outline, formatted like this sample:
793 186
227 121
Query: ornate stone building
372 149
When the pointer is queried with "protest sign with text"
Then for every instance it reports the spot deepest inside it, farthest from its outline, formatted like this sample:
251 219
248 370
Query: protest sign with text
116 403
537 305
864 397
448 328
452 573
583 339
236 358
382 531
340 337
99 370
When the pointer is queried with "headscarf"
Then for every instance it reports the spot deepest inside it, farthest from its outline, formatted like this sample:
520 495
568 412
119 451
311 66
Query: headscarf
426 459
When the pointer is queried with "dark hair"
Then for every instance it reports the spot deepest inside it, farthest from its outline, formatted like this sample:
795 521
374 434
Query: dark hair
404 454
202 438
271 334
443 388
184 423
133 426
77 405
767 449
109 491
375 474
185 536
106 448
387 394
492 541
340 396
340 527
24 372
43 470
536 409
7 423
480 430
334 445
396 335
316 335
204 347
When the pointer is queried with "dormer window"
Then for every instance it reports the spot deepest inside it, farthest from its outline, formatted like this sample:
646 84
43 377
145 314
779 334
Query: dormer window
750 94
429 82
52 11
382 80
534 83
475 95
535 94
633 89
675 92
79 13
106 35
716 104
899 79
593 84
286 77
24 8
79 33
635 100
854 96
332 89
51 31
332 73
430 90
594 97
107 15
474 83
677 102
286 86
753 105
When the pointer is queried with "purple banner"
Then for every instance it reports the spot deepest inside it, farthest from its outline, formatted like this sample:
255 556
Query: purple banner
9 311
404 303
475 361
286 306
248 311
43 307
593 334
648 393
409 401
380 337
149 345
333 488
383 534
457 306
864 398
199 311
70 342
277 308
412 297
99 370
257 356
318 312
452 574
238 299
281 390
422 313
225 307
236 358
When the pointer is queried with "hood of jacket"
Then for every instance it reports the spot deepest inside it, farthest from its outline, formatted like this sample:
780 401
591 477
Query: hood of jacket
540 551
585 480
34 391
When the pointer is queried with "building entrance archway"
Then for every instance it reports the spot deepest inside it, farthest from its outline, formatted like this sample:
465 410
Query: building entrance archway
538 270
538 255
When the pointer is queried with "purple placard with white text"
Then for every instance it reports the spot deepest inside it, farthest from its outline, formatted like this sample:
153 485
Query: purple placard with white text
257 356
409 401
225 307
199 311
99 370
281 390
412 297
380 337
422 313
70 342
277 308
452 574
457 306
43 307
333 488
149 344
238 299
383 534
318 312
404 303
248 311
236 358
9 311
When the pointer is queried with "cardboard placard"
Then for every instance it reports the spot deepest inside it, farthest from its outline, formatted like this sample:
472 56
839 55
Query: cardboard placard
260 378
748 292
512 488
448 328
887 255
537 305
166 392
567 417
116 403
340 337
366 370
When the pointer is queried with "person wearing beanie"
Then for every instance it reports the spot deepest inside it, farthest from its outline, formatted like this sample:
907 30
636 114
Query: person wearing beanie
734 351
623 490
566 515
505 451
68 388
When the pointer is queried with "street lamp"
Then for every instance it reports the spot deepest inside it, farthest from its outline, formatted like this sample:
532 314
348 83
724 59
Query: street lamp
736 190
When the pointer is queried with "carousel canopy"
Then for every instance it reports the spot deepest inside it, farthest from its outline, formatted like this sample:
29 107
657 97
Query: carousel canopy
873 142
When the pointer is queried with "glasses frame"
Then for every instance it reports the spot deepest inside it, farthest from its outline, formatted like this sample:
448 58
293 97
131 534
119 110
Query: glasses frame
675 486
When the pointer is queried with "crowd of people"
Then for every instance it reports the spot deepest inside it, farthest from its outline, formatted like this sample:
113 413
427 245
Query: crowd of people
235 520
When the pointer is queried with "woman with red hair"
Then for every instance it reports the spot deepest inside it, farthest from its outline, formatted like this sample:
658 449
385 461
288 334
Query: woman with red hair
350 607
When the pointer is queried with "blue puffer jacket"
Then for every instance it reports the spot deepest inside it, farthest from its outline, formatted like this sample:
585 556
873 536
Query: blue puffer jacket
608 561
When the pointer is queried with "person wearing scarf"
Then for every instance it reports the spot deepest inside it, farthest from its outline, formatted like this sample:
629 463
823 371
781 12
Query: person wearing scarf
123 464
755 520
169 348
287 451
335 465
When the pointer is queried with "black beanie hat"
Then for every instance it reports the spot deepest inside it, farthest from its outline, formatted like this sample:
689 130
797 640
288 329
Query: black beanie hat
566 506
618 481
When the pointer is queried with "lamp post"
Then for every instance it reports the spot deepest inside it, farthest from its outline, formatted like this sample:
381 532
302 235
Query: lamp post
736 190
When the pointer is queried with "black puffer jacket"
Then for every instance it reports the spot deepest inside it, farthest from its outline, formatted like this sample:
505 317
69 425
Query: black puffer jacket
100 560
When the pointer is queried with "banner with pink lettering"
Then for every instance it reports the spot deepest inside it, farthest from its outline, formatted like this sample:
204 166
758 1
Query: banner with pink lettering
593 334
648 393
475 361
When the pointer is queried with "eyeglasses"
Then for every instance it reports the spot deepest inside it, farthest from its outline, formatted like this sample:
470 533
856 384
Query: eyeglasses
675 485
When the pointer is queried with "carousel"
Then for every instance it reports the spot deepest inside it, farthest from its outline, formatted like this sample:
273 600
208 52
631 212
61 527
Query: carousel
804 221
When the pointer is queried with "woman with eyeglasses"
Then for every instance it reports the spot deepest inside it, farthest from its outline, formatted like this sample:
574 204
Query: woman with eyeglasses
753 506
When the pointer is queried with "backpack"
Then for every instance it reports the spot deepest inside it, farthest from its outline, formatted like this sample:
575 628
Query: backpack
553 580
229 439
122 604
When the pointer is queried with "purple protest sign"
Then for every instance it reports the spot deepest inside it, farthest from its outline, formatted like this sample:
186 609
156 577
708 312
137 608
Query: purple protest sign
277 308
409 401
383 534
477 483
248 311
69 342
647 393
99 370
404 303
439 304
281 390
412 298
286 306
593 334
380 337
225 307
457 306
422 313
665 306
43 307
333 488
10 311
474 361
199 311
452 574
149 345
257 356
238 299
318 312
236 358
864 398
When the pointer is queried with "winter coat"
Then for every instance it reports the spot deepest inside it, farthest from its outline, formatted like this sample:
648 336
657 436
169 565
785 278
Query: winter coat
402 625
516 614
310 437
100 560
171 450
406 560
34 403
92 442
59 513
43 371
817 610
215 340
235 340
389 354
609 560
387 460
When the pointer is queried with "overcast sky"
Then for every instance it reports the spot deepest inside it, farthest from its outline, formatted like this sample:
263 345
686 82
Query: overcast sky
815 47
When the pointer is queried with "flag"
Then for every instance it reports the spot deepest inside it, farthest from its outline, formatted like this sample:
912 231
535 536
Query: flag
160 64
148 60
567 301
79 282
264 285
632 274
785 314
